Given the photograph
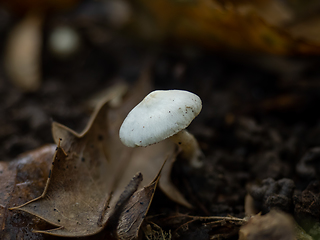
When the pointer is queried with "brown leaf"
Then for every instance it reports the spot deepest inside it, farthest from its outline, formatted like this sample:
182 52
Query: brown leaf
82 182
92 169
135 210
22 180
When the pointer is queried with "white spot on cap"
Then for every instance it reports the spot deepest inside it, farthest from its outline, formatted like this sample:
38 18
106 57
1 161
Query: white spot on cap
160 115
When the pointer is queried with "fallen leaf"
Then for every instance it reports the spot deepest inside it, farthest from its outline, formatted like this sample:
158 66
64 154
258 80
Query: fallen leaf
91 170
135 210
22 180
82 183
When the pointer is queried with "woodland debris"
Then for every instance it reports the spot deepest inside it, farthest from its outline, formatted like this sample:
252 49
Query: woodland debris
89 174
272 226
22 180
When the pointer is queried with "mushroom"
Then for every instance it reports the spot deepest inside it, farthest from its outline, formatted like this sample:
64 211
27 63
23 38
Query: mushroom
161 115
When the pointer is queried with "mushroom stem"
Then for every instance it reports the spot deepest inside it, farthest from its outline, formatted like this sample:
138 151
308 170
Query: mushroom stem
190 148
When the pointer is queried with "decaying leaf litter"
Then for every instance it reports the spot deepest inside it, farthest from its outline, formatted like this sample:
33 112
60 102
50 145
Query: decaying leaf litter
88 175
271 132
84 180
86 189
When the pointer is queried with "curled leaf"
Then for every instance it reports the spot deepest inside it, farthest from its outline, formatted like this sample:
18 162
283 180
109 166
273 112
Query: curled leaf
135 210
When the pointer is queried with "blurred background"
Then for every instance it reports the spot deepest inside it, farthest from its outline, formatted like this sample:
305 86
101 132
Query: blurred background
56 54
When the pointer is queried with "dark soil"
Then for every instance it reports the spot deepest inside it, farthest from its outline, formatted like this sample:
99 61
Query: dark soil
259 127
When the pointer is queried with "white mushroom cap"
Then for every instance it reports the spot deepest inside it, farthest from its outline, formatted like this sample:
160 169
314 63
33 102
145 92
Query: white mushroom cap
161 114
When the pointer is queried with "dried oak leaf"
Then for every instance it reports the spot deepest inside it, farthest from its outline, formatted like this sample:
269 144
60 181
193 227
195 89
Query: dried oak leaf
22 180
91 170
82 183
135 210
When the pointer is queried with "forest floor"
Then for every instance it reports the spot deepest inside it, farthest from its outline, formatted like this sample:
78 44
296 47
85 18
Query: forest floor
259 127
